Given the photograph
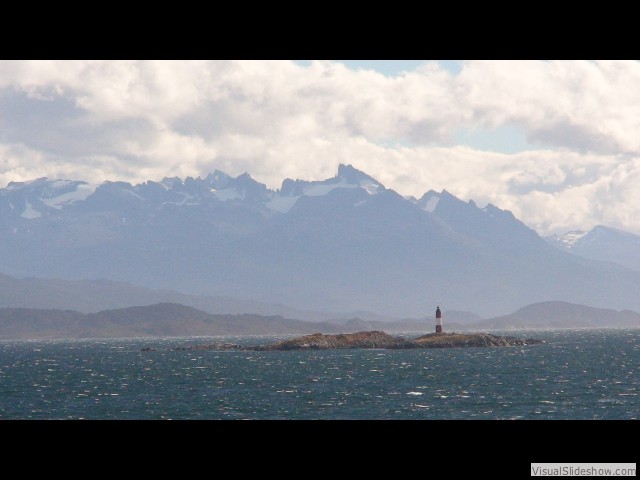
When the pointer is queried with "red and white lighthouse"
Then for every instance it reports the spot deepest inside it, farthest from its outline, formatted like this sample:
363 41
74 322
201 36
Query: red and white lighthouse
438 320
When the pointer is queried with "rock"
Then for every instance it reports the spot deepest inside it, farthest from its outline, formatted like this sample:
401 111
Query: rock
318 341
372 339
453 340
377 339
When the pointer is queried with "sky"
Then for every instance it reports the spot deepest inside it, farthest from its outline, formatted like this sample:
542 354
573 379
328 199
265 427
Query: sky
555 142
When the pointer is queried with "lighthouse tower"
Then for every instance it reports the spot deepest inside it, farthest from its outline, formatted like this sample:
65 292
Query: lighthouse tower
438 320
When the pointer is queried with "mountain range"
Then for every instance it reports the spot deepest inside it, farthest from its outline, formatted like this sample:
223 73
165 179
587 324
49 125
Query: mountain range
175 320
339 245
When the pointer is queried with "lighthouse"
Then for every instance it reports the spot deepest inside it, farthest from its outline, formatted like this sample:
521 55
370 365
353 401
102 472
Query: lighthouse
438 320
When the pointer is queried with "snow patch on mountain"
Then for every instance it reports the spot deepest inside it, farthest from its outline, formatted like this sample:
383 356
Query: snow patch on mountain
227 194
570 238
371 188
321 189
281 204
432 203
348 177
81 193
184 201
428 202
29 213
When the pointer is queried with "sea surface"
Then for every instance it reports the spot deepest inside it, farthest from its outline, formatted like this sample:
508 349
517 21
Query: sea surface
577 374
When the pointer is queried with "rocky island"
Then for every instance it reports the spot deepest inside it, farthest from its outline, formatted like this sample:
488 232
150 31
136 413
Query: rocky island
373 339
319 341
377 339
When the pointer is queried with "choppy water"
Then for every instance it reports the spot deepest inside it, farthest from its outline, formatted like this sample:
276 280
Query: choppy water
576 375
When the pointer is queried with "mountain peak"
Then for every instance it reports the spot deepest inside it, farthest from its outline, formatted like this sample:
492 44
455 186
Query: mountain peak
29 183
171 182
428 201
353 176
604 230
218 179
601 243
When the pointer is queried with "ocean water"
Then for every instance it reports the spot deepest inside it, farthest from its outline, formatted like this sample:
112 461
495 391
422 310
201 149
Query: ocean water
580 374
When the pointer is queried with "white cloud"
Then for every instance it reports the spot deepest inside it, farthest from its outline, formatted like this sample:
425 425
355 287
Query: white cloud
136 121
584 105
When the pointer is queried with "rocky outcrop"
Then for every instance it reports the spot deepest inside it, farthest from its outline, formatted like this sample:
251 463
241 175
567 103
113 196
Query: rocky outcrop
374 339
453 340
377 339
318 341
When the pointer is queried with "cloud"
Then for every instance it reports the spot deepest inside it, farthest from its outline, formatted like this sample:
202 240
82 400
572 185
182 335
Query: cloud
141 120
583 105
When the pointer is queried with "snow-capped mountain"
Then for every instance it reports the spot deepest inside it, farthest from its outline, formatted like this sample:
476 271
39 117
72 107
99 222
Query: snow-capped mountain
342 244
32 199
601 243
44 197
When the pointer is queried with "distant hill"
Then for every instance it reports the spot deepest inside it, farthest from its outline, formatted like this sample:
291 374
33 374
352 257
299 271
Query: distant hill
559 315
160 320
90 296
168 320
